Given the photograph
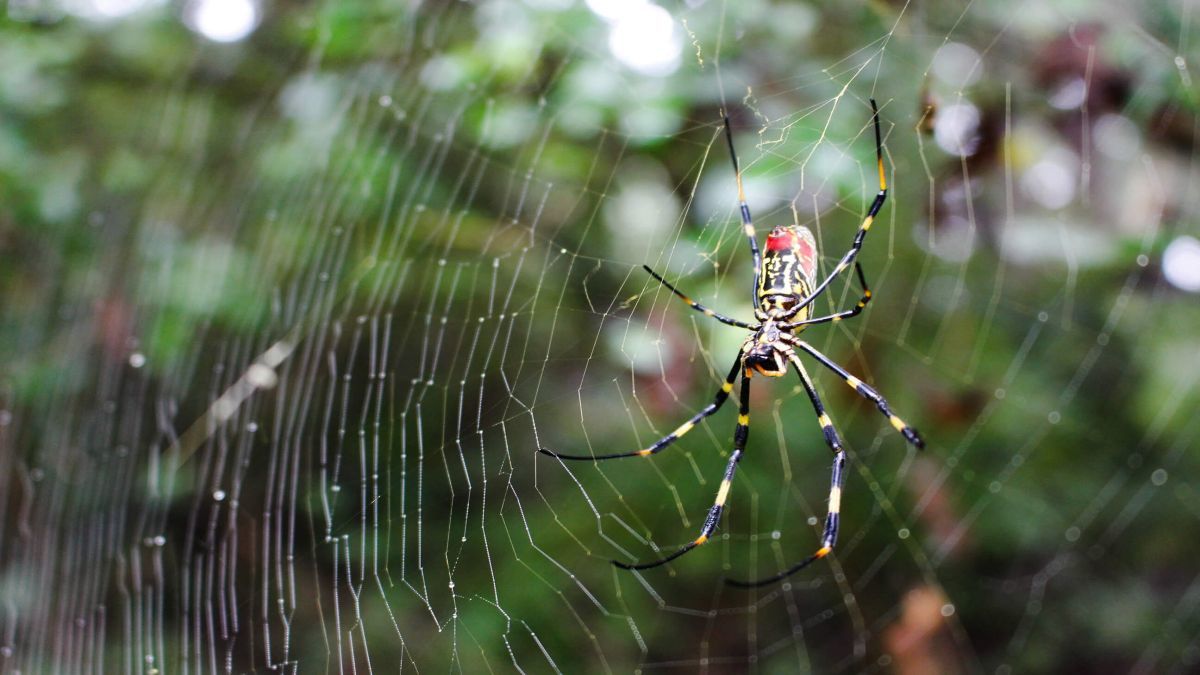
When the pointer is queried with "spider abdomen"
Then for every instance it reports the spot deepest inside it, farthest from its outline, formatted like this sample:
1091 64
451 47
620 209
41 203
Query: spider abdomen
788 269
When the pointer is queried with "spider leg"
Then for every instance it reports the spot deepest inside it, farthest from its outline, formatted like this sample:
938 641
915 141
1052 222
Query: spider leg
740 434
830 533
664 442
861 235
866 391
747 223
834 318
697 306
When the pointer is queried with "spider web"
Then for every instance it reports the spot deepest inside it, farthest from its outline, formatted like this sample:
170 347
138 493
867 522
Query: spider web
276 381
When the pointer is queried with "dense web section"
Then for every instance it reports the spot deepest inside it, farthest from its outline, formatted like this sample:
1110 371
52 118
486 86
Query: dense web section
286 417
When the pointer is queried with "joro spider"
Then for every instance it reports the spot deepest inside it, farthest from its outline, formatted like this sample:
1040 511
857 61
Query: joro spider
783 295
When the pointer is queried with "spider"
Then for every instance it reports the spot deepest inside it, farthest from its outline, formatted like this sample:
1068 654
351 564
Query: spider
784 290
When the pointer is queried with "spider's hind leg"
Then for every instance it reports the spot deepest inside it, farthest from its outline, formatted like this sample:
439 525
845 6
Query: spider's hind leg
847 314
697 306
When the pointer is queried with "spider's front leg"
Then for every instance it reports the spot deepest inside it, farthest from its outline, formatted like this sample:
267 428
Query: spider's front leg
740 434
665 442
866 391
829 534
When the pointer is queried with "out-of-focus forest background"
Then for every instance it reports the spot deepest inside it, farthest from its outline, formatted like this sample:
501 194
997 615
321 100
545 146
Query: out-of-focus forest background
292 293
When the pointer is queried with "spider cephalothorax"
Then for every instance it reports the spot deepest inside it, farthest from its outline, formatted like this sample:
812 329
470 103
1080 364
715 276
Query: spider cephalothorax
763 352
784 289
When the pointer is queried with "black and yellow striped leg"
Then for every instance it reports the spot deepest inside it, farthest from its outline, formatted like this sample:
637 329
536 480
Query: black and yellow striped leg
828 537
861 235
832 517
697 306
866 391
862 303
744 208
664 442
740 434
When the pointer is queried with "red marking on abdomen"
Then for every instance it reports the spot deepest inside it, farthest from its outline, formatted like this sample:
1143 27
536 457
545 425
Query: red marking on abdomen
780 242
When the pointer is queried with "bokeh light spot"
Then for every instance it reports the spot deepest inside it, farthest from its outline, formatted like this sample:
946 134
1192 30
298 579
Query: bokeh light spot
1181 263
957 64
222 20
1051 180
643 36
957 129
